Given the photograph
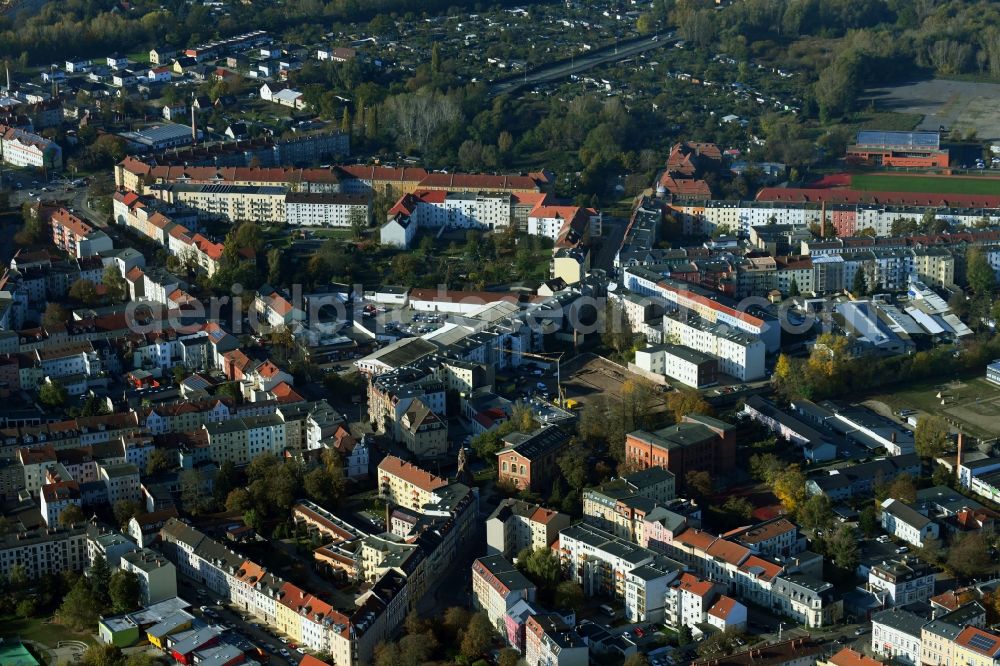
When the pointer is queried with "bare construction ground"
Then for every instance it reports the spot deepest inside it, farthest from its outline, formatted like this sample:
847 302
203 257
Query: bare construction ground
962 105
588 375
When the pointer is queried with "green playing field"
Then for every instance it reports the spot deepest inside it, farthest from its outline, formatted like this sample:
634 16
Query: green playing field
934 184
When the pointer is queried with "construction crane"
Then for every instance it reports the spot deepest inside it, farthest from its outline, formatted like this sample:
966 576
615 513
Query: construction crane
545 357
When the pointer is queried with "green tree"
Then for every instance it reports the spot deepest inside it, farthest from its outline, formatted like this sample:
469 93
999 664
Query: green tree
54 315
868 521
969 555
569 595
541 565
859 287
636 659
83 291
159 461
931 436
274 266
72 515
436 59
699 483
126 509
816 513
52 394
125 591
238 500
979 273
114 284
687 401
80 609
843 548
102 655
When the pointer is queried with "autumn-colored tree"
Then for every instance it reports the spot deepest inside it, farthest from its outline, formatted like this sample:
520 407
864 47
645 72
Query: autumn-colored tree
789 486
931 436
687 401
903 489
699 482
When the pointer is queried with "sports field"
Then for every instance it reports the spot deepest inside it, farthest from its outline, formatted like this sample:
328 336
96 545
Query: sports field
973 405
929 184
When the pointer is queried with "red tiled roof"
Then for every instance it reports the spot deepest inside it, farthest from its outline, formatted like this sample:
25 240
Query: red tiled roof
848 657
722 607
858 197
411 473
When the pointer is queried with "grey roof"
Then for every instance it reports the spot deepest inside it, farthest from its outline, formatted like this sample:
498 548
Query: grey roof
900 620
906 514
504 571
538 444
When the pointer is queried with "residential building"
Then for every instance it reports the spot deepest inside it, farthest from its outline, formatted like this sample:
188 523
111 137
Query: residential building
550 641
422 431
688 366
405 484
496 586
905 581
907 524
24 149
896 635
606 565
976 647
515 525
55 498
76 237
157 575
44 551
808 600
794 652
326 210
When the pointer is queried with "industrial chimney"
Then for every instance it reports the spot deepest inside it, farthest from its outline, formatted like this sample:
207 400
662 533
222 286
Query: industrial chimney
958 458
194 126
822 220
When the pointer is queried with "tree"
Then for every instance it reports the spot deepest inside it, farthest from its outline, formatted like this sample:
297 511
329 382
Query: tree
687 401
969 555
455 619
52 394
541 566
80 609
699 482
192 498
930 549
684 635
508 657
740 508
868 521
816 513
126 509
979 273
477 637
325 485
54 314
416 649
345 121
903 489
636 659
789 486
569 595
843 548
359 222
114 284
83 291
125 591
238 500
793 288
436 59
859 286
159 461
931 436
72 515
274 266
102 655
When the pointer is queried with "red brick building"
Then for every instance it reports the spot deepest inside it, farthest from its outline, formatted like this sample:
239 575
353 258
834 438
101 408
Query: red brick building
528 461
697 443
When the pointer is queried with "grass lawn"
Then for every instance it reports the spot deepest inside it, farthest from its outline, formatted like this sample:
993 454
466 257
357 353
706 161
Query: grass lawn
343 234
936 184
973 404
35 629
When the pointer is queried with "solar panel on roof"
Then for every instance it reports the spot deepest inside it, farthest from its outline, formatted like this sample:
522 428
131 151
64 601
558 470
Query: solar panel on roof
981 642
926 140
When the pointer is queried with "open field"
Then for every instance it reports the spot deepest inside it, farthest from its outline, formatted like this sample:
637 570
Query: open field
968 106
930 184
589 375
972 405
